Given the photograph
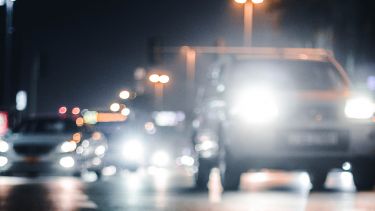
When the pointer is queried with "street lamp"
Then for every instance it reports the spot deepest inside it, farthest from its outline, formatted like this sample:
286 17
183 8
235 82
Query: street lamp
164 79
159 81
248 19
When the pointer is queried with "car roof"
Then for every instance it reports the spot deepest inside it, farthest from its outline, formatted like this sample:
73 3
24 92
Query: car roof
48 118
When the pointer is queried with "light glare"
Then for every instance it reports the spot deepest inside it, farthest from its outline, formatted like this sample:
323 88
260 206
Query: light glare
125 111
76 110
3 161
100 150
124 94
256 106
154 78
115 107
68 146
160 159
257 1
4 146
359 108
133 150
67 162
240 1
164 79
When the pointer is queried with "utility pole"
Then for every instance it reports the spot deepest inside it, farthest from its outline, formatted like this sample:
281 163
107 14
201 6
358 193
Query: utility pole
7 80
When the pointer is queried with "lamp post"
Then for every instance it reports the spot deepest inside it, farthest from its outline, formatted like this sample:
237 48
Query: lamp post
159 82
7 80
248 14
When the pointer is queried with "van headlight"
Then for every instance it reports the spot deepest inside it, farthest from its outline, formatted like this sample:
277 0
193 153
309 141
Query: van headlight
256 106
67 162
359 108
133 150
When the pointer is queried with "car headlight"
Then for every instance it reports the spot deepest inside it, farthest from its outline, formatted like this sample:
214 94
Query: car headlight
133 150
68 146
4 146
100 150
359 108
3 161
160 159
256 106
67 162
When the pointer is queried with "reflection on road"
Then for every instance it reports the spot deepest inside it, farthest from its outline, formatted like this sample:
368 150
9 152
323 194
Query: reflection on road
43 194
160 189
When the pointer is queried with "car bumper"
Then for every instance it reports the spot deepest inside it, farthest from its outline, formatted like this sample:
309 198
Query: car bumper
353 139
38 165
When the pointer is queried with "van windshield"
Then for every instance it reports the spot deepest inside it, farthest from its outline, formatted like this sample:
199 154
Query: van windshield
286 75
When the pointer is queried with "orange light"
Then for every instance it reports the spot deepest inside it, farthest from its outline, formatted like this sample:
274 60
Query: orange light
154 78
62 110
77 137
96 136
164 79
76 110
79 121
110 117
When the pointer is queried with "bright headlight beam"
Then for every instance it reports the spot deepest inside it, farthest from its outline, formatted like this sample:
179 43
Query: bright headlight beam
133 150
3 161
256 106
359 108
4 146
67 162
160 159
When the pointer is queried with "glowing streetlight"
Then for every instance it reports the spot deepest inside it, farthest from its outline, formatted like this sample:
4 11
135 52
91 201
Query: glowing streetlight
125 94
154 78
164 79
115 107
159 81
240 1
248 18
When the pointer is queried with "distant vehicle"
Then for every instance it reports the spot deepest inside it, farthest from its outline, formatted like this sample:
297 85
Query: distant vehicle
138 144
44 145
126 149
289 109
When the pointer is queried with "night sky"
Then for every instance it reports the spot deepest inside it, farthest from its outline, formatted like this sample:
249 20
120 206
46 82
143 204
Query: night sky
88 50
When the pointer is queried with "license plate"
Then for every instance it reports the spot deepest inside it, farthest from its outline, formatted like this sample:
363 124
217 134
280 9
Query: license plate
32 159
313 139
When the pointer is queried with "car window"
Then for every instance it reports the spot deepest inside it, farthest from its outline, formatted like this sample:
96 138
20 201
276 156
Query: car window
50 126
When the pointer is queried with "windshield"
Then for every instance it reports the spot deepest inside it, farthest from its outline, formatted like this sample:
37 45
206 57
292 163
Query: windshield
285 75
50 126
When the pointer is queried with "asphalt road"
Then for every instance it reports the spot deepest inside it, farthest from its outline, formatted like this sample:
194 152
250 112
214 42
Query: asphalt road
157 189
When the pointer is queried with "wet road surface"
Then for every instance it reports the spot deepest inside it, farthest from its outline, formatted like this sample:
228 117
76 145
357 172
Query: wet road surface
164 190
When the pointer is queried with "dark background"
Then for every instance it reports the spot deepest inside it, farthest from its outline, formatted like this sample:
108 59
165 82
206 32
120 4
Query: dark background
84 52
